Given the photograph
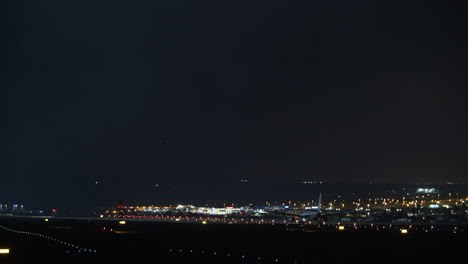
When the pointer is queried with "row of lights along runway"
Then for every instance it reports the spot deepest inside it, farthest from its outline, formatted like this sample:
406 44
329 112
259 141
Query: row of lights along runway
323 225
71 248
243 258
403 229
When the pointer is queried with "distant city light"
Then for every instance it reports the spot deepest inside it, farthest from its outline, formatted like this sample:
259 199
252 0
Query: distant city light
341 228
122 222
426 190
404 231
312 182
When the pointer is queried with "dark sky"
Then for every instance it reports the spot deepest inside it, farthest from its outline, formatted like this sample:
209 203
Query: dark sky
182 91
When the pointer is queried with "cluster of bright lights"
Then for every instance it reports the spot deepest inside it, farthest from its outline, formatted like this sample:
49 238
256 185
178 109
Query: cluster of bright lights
401 209
232 255
73 248
424 199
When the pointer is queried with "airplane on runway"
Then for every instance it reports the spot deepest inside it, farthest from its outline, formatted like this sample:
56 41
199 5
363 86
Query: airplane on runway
312 214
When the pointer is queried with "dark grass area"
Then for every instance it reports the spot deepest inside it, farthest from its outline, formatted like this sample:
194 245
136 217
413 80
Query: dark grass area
219 243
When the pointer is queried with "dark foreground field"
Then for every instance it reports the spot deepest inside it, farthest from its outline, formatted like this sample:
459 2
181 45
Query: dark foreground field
81 241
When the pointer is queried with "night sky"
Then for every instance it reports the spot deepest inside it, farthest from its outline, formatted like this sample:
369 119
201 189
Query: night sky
130 92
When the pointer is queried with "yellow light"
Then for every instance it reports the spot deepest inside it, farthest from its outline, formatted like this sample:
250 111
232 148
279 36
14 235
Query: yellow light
101 216
177 219
47 220
404 231
4 251
122 222
204 222
341 228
